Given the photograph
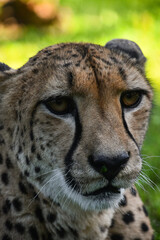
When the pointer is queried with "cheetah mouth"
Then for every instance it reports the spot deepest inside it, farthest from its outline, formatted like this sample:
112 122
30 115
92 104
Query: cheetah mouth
108 189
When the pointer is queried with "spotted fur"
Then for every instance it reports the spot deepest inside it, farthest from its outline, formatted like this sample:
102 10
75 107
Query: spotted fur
51 184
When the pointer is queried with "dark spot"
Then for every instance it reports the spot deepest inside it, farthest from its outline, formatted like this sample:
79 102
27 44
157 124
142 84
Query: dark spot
70 79
103 228
39 214
27 160
61 232
19 102
122 73
51 217
152 237
35 196
144 227
117 237
17 157
30 186
128 217
4 178
31 122
34 59
45 58
20 118
39 157
1 159
104 60
20 228
10 132
49 54
133 191
1 127
8 225
49 236
31 135
42 148
20 149
22 134
112 223
74 232
77 64
17 204
37 169
16 114
22 188
137 239
145 211
6 237
114 59
33 233
26 173
35 70
123 202
33 148
6 207
1 140
69 51
9 163
67 64
75 55
43 237
48 145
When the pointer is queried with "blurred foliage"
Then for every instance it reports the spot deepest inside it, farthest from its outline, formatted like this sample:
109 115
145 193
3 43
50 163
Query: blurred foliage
99 21
28 12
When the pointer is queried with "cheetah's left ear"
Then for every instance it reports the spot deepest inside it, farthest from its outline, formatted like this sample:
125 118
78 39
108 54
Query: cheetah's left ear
128 47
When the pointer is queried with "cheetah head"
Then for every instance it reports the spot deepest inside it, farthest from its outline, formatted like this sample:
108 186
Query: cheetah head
78 114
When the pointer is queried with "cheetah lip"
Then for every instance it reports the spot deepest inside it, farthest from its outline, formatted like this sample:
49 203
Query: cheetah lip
108 189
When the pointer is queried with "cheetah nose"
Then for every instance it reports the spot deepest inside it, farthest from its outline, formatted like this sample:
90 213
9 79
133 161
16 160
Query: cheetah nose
109 167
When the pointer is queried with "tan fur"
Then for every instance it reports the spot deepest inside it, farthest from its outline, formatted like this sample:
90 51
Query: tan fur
36 202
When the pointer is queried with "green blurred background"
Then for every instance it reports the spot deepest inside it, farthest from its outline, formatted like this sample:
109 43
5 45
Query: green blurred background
99 21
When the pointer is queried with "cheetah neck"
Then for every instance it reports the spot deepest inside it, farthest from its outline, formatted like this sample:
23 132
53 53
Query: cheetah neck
83 225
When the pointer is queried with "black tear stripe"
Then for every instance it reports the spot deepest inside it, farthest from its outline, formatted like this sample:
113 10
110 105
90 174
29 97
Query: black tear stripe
127 130
68 159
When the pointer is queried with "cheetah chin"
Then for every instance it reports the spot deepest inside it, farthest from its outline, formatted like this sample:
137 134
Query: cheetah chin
68 198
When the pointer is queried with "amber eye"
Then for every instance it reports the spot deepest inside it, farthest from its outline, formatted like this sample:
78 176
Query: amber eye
131 99
60 105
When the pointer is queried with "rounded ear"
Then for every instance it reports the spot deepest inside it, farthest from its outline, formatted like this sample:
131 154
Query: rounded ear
5 71
128 47
4 67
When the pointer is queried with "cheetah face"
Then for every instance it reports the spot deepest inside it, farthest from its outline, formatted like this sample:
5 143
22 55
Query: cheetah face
82 112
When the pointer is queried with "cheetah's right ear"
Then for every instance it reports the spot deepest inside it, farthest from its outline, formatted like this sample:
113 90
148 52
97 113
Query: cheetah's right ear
130 48
5 74
5 71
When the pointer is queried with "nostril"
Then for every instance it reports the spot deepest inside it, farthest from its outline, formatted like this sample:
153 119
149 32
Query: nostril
123 158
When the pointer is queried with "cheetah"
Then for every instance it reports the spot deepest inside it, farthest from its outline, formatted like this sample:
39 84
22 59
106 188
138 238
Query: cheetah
72 124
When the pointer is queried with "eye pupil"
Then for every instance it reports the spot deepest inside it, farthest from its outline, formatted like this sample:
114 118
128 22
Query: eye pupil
59 101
